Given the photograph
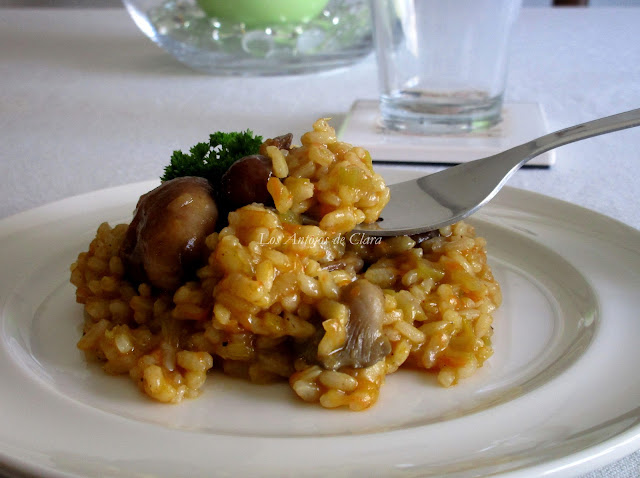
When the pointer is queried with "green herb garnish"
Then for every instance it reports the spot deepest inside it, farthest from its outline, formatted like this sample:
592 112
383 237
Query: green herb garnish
211 160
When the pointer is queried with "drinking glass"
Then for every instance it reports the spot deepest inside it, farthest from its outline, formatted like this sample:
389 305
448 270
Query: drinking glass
442 63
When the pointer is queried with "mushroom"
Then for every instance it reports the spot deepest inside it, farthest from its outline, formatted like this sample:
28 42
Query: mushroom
165 242
245 182
365 344
282 142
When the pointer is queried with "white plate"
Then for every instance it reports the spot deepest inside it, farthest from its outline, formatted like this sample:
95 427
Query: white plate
559 396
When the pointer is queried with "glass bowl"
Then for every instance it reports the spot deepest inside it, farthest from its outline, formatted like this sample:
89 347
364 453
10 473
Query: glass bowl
235 37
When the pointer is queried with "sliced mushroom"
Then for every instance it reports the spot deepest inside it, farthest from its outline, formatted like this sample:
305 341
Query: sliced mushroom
425 236
165 241
365 344
350 261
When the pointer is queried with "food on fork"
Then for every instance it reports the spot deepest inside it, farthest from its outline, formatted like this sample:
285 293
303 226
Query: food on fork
219 270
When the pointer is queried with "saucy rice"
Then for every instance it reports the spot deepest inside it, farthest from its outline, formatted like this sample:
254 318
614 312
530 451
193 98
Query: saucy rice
275 299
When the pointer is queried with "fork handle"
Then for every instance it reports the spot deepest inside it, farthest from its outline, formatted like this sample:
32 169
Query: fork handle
534 148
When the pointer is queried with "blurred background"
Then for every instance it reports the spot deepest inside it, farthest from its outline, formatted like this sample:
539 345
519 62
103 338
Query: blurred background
118 3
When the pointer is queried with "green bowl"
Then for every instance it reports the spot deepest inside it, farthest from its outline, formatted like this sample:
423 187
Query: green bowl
262 13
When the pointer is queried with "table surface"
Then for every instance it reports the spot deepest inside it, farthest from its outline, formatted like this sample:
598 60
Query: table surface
87 102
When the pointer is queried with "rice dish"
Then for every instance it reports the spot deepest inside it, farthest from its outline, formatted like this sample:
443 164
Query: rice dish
273 298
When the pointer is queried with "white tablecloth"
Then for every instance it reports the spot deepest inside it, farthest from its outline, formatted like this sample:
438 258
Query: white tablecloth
87 102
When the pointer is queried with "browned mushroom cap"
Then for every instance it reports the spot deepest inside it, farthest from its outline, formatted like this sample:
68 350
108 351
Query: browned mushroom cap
165 241
281 142
365 344
245 182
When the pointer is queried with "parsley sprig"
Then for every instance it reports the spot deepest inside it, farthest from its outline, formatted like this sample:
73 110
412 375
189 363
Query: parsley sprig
211 160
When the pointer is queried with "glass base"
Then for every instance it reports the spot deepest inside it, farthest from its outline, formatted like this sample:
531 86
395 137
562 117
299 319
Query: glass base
425 113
